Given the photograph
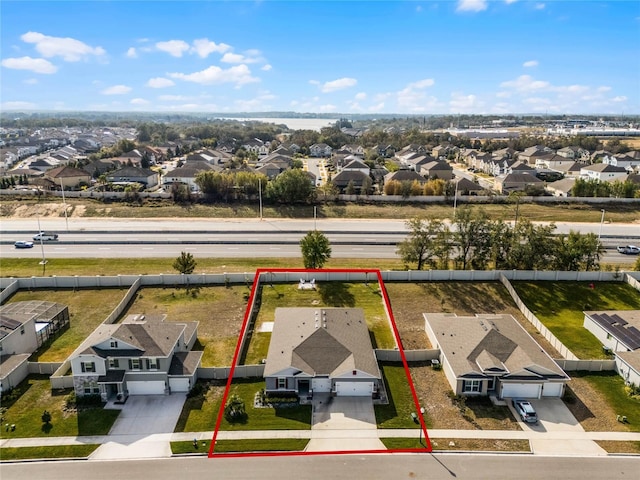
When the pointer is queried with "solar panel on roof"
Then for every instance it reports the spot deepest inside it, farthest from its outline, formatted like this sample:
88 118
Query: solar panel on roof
619 319
9 323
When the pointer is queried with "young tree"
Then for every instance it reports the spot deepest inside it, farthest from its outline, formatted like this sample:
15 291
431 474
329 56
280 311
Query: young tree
234 410
316 249
472 236
185 263
421 245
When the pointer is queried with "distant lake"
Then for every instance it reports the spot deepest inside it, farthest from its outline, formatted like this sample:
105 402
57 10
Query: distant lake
293 123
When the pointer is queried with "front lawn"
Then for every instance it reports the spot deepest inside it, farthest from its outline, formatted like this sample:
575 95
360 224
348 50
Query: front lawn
87 309
244 445
329 294
559 306
51 451
461 444
397 414
34 396
201 412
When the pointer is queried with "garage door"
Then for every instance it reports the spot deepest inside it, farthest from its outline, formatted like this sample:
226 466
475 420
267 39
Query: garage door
179 384
321 384
521 390
552 390
354 389
146 388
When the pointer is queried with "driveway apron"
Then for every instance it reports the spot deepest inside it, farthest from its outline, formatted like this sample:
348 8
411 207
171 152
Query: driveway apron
343 424
556 424
143 428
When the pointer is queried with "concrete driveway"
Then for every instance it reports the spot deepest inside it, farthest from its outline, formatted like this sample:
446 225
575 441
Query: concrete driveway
143 428
343 423
556 424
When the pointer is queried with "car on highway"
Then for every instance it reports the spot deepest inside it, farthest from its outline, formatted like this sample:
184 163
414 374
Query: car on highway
45 237
23 244
525 410
629 250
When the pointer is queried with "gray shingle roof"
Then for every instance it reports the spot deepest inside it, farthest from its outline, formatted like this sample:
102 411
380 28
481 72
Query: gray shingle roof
321 341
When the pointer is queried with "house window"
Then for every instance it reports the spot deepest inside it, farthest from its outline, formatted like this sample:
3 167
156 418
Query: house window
114 344
134 364
91 388
282 383
22 330
114 363
152 363
88 367
472 386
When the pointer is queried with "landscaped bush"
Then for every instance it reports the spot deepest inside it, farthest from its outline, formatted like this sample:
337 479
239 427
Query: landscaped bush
633 390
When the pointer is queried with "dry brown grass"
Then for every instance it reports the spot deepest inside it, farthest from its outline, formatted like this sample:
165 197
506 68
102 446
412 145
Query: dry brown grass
481 445
591 408
612 446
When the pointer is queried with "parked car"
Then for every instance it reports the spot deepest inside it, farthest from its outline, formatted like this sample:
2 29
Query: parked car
525 410
45 237
23 244
629 250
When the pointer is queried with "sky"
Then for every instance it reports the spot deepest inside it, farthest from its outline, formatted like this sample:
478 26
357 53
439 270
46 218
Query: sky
405 57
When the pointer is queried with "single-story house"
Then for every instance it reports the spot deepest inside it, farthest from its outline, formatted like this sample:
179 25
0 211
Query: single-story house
321 350
619 332
24 327
139 356
67 177
492 354
127 175
517 182
355 177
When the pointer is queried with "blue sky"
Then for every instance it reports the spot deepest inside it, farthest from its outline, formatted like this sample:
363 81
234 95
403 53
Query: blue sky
419 57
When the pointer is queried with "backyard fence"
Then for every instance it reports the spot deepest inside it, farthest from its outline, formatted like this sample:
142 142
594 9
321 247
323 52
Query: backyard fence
222 373
412 356
43 368
586 365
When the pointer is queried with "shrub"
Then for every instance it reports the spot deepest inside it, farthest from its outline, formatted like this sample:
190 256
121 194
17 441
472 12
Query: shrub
234 410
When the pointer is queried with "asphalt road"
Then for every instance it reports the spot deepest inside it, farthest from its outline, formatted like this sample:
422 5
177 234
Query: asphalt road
340 467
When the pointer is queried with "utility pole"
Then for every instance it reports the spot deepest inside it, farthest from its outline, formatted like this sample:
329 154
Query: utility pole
260 196
64 202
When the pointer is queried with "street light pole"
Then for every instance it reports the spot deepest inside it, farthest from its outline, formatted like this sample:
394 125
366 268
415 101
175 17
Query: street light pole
260 196
64 202
455 199
44 261
601 222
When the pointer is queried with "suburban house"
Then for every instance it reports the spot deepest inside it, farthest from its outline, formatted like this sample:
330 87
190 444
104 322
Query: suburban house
603 173
517 182
619 332
187 174
257 146
404 176
323 350
630 160
358 165
128 175
561 188
347 177
24 327
492 354
320 150
138 356
436 169
464 186
67 177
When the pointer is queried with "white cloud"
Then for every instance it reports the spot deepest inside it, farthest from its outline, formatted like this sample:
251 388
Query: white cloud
377 108
203 47
339 84
252 56
31 81
70 49
539 6
619 98
314 82
131 53
464 103
139 101
361 96
116 90
414 97
530 64
327 108
525 83
160 82
509 2
17 105
36 65
604 88
471 5
175 48
266 67
238 75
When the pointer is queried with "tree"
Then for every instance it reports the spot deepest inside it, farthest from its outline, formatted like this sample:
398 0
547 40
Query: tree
291 186
234 410
422 246
316 249
46 417
185 263
472 236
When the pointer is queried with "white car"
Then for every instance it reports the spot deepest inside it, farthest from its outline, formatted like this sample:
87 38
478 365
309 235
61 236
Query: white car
45 237
629 250
525 410
23 244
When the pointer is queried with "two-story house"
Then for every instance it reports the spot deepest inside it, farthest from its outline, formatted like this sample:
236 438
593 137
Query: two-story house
140 356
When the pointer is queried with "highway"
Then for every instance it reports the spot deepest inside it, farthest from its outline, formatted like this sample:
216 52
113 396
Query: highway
104 238
340 467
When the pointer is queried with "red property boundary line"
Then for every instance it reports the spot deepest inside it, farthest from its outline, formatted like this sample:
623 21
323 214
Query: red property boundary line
256 281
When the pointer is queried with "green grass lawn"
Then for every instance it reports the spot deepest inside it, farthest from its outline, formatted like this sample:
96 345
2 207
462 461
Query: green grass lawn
611 386
397 414
559 306
34 396
87 309
329 294
245 445
53 451
200 413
